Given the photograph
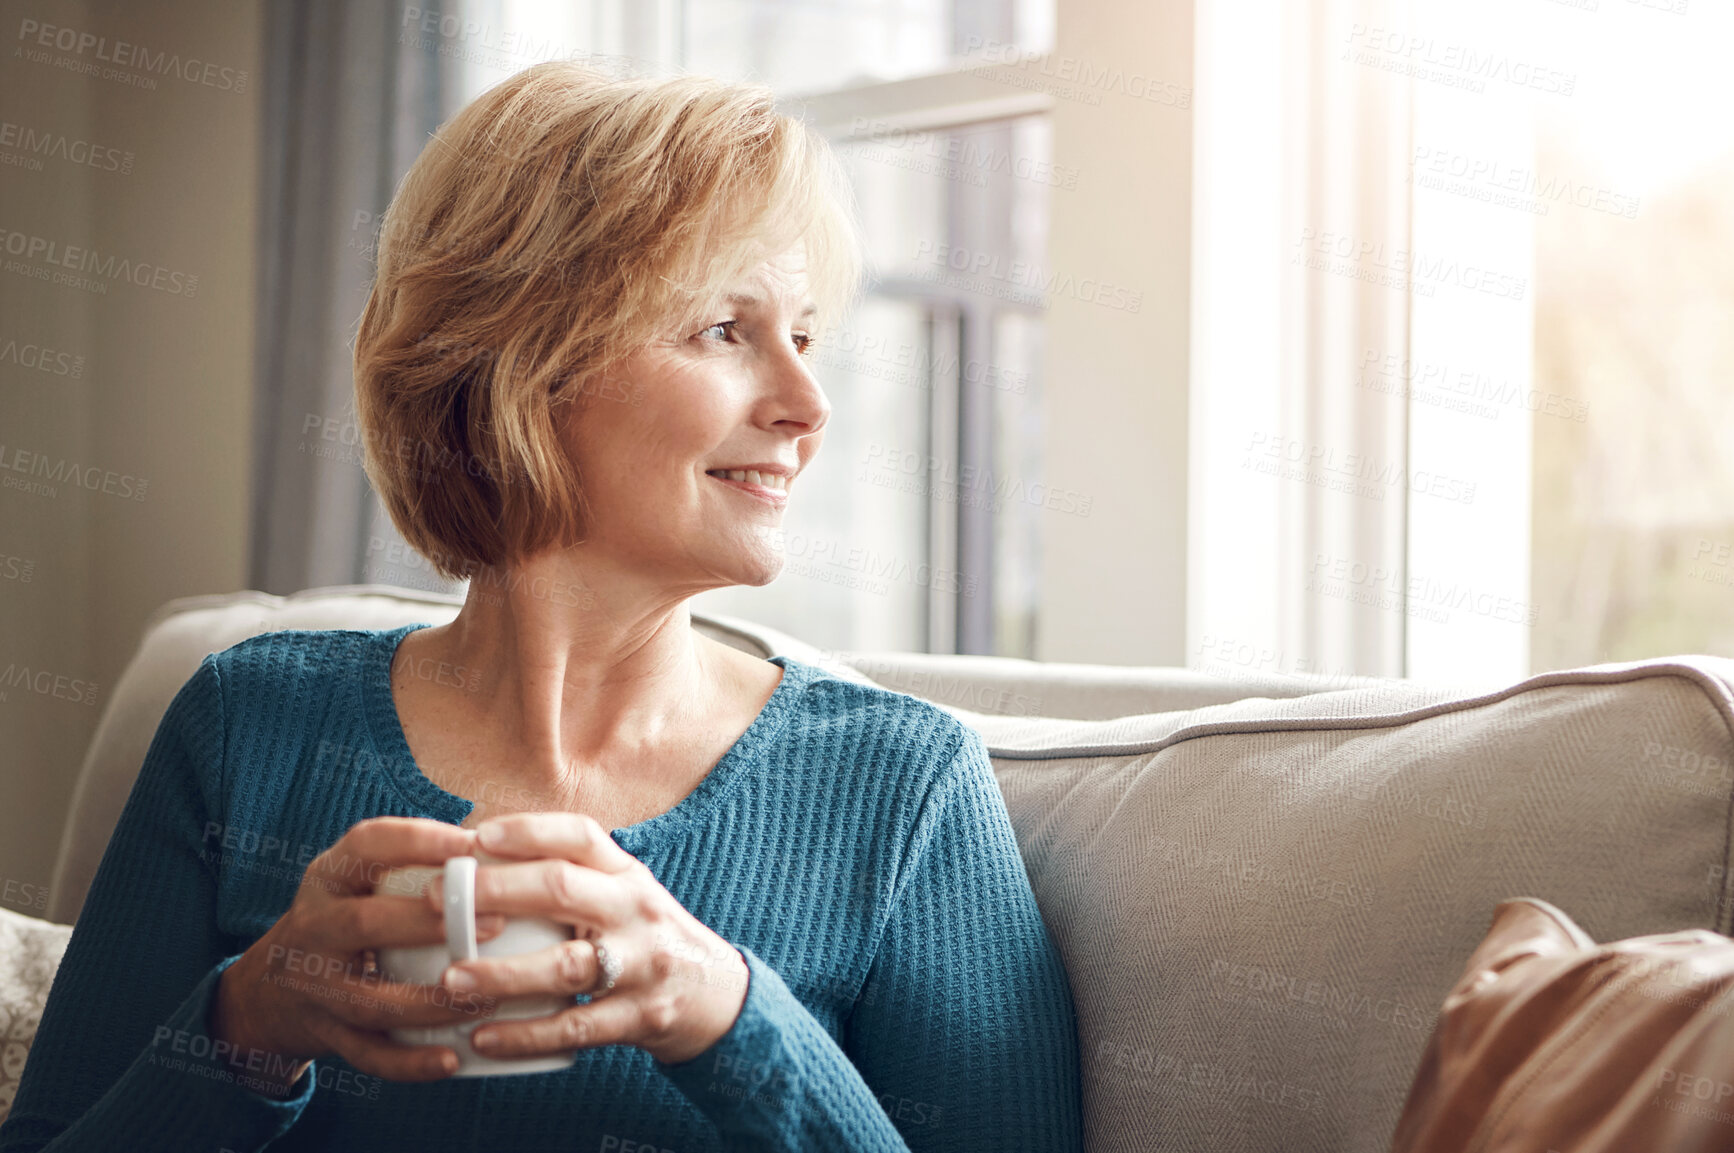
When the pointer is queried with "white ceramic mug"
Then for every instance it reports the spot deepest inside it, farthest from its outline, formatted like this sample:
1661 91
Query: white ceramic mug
423 964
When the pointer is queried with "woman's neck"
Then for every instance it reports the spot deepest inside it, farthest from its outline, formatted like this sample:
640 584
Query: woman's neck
570 674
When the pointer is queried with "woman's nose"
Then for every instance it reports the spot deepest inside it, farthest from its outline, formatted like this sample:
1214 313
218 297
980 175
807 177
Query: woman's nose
795 394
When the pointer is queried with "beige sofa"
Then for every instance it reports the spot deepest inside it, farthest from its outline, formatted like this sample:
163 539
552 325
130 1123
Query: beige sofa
1262 886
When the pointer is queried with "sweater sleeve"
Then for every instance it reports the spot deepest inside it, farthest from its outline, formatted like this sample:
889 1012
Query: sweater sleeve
963 1038
123 1057
965 1029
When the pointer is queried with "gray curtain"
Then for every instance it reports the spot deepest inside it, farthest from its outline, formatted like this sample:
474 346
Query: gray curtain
348 107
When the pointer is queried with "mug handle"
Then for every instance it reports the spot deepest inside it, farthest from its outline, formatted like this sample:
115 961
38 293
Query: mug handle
460 911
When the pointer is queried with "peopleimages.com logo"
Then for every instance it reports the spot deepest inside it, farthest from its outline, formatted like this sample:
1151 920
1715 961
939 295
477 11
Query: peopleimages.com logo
90 52
47 683
59 470
40 358
90 269
25 146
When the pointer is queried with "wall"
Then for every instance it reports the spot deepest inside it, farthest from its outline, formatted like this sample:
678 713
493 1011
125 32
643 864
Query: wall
128 166
1116 389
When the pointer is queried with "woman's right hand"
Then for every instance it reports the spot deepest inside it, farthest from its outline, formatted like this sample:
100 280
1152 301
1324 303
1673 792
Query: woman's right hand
298 993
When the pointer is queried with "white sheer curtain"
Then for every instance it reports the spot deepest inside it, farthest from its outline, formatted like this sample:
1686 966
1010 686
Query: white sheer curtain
1300 471
350 96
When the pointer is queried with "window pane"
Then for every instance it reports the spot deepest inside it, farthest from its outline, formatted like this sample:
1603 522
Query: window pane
793 46
806 48
975 255
1016 379
817 47
1583 157
1634 481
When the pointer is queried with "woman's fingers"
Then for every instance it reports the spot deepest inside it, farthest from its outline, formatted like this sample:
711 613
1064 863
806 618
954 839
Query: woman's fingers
570 967
371 848
315 974
569 836
385 1058
375 1002
381 922
610 1021
556 889
379 1004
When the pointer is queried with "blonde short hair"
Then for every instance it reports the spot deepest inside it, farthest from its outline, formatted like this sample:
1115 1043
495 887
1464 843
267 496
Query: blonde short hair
554 226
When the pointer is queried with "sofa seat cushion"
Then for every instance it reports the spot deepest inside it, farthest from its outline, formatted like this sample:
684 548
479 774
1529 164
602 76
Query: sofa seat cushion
1262 905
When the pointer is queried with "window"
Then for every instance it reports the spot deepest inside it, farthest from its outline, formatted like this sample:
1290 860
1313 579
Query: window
1462 368
1591 163
1634 351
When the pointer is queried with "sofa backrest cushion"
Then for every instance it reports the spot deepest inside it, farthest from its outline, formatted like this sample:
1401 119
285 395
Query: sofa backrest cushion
1014 687
1262 905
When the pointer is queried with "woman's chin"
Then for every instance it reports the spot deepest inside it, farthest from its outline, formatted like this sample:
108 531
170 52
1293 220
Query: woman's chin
758 571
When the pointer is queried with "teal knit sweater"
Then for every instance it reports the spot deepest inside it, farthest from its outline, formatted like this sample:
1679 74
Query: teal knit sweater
853 844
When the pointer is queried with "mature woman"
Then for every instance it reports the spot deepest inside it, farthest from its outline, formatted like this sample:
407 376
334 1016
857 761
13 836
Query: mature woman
800 918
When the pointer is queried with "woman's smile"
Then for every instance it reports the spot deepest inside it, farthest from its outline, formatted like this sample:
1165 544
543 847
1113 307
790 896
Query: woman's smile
770 487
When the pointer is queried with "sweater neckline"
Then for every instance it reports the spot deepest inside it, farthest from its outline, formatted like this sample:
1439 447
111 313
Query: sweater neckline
385 727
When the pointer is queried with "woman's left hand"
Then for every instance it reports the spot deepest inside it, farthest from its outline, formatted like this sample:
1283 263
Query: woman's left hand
678 986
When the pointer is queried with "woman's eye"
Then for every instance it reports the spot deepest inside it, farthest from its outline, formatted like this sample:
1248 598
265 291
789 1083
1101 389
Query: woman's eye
721 327
803 343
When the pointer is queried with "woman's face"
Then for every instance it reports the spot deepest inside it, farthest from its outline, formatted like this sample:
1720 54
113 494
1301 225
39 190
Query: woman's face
656 444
